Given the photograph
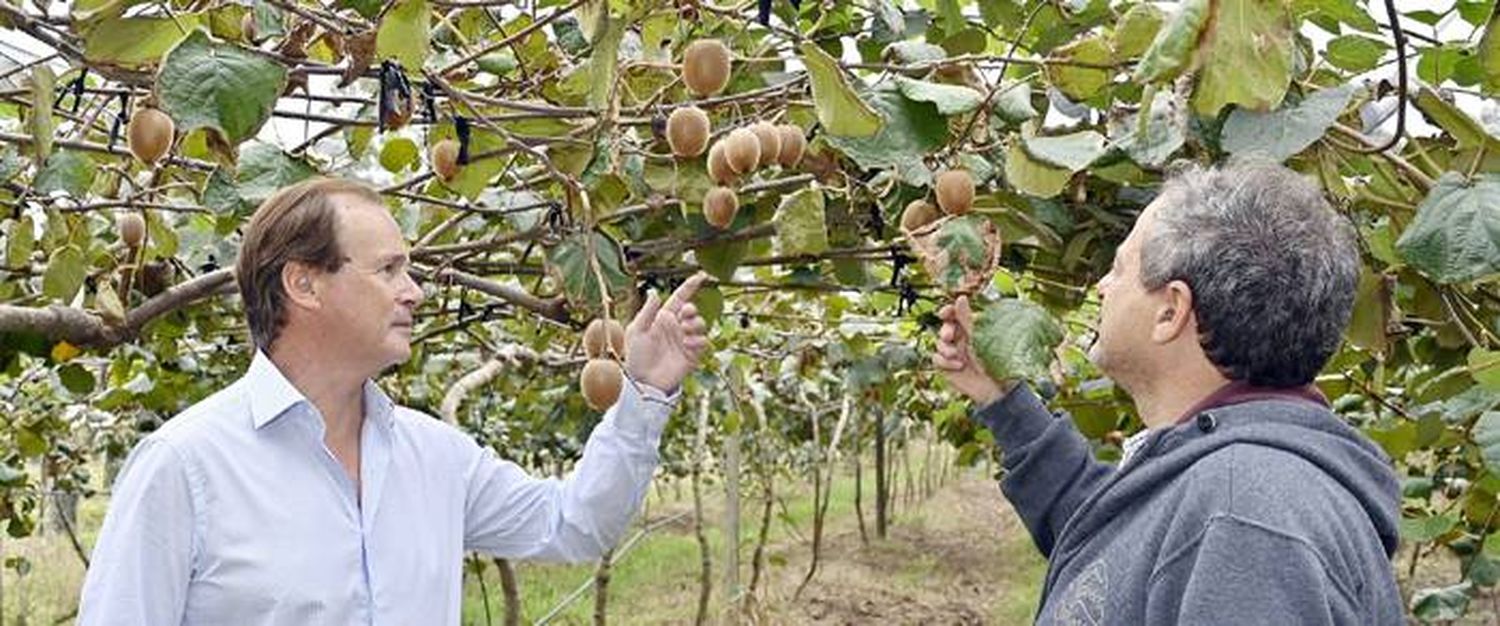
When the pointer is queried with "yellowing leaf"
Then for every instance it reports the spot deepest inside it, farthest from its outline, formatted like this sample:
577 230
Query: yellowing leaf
1245 55
840 109
64 352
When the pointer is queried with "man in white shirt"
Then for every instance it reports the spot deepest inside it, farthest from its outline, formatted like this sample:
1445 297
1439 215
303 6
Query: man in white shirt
301 494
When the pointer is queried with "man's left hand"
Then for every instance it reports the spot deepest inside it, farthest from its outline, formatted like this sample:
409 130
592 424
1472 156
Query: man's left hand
665 341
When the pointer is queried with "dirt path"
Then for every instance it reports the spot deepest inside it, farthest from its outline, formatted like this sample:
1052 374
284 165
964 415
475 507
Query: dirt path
961 557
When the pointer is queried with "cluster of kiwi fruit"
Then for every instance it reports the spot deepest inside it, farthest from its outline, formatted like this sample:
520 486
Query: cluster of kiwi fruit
602 378
705 71
955 196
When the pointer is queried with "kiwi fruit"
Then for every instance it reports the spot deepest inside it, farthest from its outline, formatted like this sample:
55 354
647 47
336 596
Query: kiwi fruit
601 381
718 165
444 157
918 213
602 333
132 229
150 134
719 206
742 150
687 131
955 191
705 67
793 144
770 142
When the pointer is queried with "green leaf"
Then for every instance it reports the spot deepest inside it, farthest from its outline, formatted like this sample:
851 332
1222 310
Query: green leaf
1468 133
1171 51
1372 310
138 41
1484 366
603 63
1488 54
475 177
572 264
890 15
1282 133
1014 339
1441 603
911 131
840 110
801 224
1081 83
912 52
1152 141
1013 102
1426 528
1355 53
405 34
399 154
1074 151
1246 57
721 259
66 171
264 169
66 270
367 8
20 239
43 127
1349 12
1456 235
1439 63
950 99
76 379
1487 437
203 84
30 444
1033 177
1137 29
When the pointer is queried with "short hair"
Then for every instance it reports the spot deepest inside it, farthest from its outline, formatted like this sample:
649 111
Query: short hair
297 223
1273 268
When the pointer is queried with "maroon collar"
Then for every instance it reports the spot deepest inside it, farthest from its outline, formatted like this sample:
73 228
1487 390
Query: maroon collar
1239 391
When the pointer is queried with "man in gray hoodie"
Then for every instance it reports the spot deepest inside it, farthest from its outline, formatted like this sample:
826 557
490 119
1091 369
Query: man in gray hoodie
1245 500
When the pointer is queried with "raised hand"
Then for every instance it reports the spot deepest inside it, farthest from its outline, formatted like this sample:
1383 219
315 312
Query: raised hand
665 341
955 355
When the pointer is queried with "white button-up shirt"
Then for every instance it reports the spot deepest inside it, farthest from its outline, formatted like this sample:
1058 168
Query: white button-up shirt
235 512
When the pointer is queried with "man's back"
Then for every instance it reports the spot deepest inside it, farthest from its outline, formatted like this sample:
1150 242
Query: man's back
1263 512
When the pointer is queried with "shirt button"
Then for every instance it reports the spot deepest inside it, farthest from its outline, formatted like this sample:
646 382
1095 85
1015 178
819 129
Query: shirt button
1207 422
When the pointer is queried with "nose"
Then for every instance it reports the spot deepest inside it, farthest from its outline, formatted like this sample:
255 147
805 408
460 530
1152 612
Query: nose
411 293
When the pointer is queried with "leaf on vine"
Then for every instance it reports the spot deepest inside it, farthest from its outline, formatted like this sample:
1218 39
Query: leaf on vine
1455 237
404 34
801 225
840 109
960 252
204 84
1285 132
1014 339
572 264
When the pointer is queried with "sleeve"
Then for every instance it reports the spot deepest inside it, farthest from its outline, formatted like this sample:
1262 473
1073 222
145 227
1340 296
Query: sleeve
1049 468
142 562
512 515
1242 572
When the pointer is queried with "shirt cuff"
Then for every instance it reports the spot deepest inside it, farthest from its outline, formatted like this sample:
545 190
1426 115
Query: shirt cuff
642 410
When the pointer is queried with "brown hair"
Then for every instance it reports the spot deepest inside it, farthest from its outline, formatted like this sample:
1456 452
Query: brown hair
296 223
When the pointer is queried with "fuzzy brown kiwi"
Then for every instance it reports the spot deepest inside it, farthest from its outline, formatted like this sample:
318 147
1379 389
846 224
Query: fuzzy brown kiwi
719 207
444 157
601 381
150 134
687 131
793 144
598 333
705 67
955 191
742 150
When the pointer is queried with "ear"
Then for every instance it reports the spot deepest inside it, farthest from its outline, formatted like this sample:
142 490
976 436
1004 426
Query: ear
300 283
1174 313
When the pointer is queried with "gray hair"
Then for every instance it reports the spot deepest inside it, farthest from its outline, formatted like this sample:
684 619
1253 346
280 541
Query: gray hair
1272 266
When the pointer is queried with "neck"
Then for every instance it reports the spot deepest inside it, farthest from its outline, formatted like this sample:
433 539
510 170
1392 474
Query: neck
1168 396
335 389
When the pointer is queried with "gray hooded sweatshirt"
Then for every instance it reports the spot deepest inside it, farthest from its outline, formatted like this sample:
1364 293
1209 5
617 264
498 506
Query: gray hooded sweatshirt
1269 511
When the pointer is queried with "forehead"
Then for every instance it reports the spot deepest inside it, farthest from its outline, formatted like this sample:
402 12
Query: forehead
361 219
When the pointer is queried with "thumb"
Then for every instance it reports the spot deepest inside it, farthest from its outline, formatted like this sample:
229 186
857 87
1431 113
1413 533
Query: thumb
645 317
965 315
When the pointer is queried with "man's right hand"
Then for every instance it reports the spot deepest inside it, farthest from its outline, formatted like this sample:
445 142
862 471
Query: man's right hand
955 356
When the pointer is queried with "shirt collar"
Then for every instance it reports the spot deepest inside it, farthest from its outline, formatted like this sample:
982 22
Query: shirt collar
1240 391
272 395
